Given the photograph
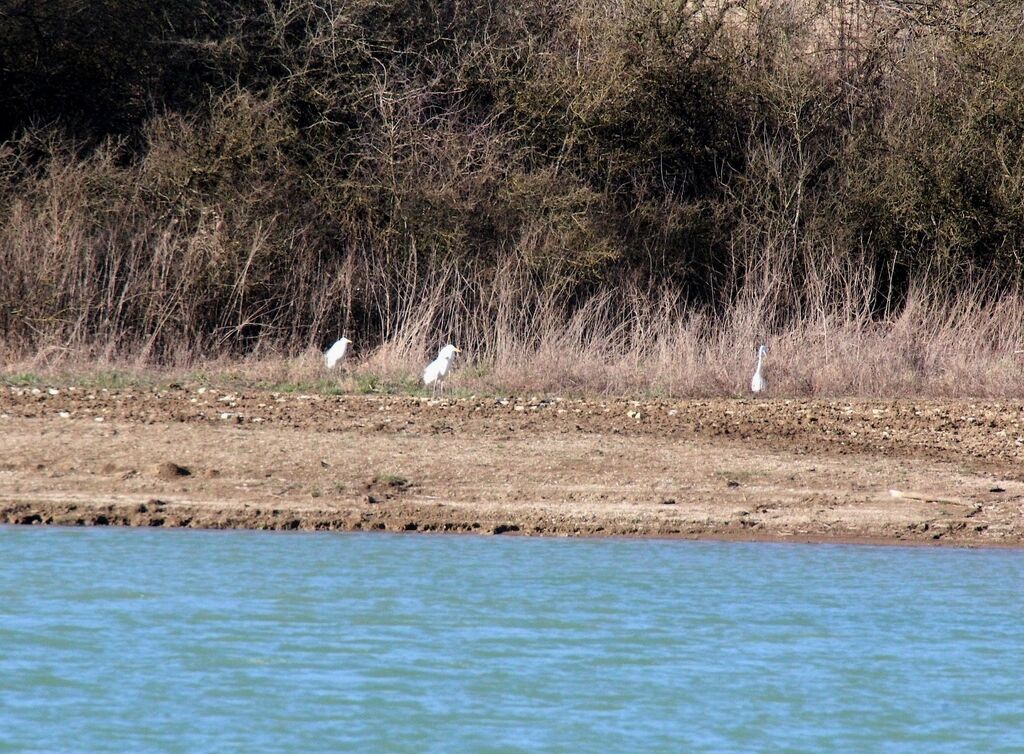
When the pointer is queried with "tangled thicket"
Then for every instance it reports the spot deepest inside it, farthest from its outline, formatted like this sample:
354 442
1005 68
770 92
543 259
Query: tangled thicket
235 175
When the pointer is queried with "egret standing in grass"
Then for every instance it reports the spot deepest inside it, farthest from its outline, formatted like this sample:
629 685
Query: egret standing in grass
757 382
437 370
336 353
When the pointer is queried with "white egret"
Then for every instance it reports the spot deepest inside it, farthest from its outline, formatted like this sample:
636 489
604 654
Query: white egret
336 353
436 370
757 382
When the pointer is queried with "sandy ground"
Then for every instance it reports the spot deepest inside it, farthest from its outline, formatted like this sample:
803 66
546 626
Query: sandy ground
742 469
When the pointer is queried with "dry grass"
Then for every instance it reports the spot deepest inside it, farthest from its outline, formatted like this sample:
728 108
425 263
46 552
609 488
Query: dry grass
650 346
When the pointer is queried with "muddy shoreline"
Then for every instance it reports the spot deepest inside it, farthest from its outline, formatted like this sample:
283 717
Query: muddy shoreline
900 472
180 516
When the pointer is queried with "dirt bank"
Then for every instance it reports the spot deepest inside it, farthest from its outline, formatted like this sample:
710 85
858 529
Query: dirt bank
817 470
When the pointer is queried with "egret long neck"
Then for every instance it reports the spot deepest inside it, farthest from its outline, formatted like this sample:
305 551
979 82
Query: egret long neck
760 355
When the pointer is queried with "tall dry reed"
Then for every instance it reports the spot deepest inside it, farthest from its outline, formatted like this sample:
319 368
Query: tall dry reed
635 342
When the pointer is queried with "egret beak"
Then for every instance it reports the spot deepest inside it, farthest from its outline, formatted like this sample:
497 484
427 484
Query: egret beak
458 350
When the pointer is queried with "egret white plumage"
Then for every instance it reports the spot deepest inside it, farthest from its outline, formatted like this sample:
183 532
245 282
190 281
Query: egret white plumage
437 370
757 382
336 353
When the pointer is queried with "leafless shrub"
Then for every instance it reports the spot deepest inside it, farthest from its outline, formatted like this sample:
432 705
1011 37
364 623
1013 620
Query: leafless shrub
610 197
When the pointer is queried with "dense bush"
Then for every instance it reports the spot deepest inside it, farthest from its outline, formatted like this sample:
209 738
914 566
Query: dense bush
226 175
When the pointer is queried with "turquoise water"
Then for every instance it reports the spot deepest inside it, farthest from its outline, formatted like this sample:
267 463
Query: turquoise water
182 641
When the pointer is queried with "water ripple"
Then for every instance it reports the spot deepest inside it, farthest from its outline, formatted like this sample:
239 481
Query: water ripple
118 640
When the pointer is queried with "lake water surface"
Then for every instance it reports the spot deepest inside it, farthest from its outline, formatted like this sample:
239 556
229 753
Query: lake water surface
184 641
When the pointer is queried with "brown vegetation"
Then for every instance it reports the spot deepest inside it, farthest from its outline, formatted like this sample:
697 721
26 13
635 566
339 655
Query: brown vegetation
597 196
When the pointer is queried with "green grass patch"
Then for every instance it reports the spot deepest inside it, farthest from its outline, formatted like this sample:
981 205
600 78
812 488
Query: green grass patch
24 379
113 379
373 384
391 480
321 387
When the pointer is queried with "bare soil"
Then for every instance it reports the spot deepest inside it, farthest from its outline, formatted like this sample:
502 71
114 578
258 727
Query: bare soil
947 472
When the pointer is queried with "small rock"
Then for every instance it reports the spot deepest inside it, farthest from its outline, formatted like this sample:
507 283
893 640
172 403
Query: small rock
168 470
732 483
997 489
